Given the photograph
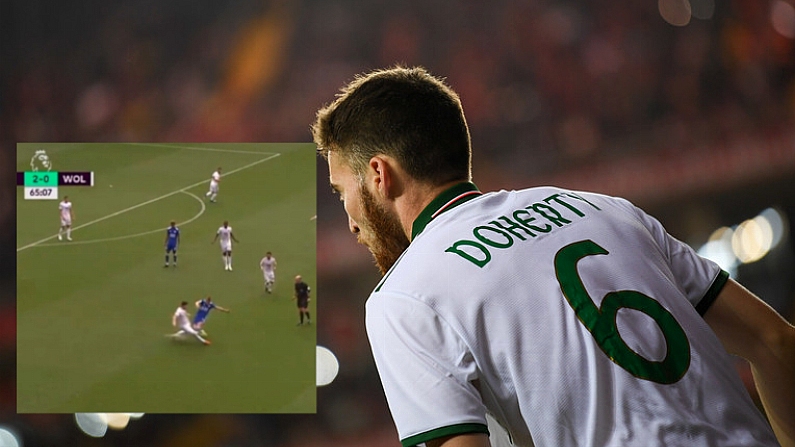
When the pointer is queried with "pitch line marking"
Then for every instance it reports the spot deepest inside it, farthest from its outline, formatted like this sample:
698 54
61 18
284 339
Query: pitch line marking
156 199
129 236
195 148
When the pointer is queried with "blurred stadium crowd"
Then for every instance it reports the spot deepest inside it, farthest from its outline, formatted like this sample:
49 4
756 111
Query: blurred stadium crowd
695 123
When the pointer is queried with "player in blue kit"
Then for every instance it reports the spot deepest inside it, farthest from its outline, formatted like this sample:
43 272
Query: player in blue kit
204 306
172 241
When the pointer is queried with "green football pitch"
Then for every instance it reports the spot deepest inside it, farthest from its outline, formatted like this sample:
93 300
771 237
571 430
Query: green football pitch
94 313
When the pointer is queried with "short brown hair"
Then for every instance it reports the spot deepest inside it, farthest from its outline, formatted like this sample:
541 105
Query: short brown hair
405 113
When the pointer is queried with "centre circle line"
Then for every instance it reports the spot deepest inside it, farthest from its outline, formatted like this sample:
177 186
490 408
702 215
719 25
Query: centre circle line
129 236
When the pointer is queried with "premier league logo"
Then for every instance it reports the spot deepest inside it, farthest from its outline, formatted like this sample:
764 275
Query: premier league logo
40 161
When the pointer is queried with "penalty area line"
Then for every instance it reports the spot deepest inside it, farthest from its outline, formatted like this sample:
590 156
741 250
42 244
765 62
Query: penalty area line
200 148
156 199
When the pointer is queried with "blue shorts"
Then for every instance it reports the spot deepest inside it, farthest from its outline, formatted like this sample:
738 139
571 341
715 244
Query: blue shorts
171 248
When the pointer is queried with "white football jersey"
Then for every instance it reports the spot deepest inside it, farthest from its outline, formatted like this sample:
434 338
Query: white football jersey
182 317
225 234
66 209
571 318
268 264
216 177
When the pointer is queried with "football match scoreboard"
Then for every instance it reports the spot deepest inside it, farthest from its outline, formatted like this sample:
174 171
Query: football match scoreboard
43 185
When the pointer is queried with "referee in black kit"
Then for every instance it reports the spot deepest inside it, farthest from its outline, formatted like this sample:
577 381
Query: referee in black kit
302 298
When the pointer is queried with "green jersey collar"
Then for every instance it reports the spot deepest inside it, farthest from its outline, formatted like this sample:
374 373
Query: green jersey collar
448 199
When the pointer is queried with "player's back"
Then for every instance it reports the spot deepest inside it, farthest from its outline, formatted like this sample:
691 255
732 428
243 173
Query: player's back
578 314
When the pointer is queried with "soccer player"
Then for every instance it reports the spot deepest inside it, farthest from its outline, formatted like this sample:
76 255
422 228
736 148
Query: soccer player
268 267
572 318
302 300
181 320
204 306
171 242
215 179
225 232
65 211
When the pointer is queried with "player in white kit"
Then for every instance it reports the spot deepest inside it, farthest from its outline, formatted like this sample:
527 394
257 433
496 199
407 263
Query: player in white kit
268 267
181 320
215 179
65 212
570 318
226 235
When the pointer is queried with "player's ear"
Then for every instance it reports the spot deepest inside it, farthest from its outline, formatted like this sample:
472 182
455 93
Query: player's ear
385 177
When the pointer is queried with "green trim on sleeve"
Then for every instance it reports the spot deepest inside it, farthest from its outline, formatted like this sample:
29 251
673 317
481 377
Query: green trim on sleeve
712 293
458 429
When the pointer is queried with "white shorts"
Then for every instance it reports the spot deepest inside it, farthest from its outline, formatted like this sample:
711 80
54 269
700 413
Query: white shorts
226 246
214 187
270 276
66 222
189 329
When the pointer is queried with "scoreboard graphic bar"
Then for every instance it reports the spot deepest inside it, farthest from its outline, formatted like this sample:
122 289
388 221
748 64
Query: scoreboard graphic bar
43 185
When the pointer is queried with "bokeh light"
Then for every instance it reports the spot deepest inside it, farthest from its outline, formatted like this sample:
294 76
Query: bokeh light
719 249
327 366
92 424
97 424
777 222
703 9
747 242
8 438
675 12
782 16
752 240
117 421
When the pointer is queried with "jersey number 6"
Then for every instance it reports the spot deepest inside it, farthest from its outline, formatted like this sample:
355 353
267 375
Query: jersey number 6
601 321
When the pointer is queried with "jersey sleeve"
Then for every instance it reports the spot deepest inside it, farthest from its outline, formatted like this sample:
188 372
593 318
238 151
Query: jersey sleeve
425 368
701 279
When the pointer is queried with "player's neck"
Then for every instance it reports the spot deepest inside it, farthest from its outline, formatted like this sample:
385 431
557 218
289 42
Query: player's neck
410 205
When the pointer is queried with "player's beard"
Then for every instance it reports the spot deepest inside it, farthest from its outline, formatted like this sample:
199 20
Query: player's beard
381 232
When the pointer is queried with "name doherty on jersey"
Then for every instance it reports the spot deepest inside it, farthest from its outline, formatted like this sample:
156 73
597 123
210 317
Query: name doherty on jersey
539 218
